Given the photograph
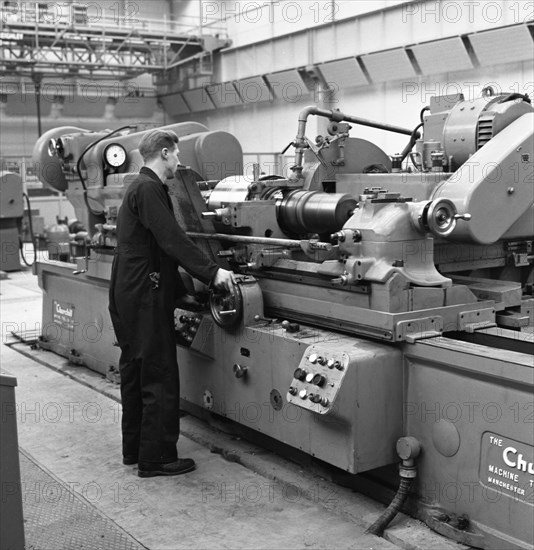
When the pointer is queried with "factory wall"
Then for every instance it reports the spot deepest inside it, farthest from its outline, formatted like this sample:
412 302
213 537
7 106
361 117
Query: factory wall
283 56
270 126
122 11
19 121
382 60
251 21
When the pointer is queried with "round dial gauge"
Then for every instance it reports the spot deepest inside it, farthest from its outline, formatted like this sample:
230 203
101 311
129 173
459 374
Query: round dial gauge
115 155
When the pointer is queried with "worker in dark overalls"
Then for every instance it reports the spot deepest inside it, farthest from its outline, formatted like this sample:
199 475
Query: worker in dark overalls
144 281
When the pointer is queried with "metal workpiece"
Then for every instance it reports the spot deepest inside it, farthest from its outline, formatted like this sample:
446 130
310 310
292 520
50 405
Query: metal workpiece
314 212
295 212
229 190
238 189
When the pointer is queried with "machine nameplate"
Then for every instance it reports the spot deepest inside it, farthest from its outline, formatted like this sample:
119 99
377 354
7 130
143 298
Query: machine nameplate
63 314
507 467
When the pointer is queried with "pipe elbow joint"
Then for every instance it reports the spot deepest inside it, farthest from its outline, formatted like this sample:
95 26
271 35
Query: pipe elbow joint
408 449
306 112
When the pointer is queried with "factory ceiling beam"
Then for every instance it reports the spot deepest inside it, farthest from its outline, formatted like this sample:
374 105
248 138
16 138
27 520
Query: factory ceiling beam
29 48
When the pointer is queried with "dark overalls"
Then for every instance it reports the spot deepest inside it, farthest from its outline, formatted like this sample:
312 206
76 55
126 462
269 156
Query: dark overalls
144 277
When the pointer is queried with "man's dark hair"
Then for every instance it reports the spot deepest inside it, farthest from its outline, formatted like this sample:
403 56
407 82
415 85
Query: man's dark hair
153 142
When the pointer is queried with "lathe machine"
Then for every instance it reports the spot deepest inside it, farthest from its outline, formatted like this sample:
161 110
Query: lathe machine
383 310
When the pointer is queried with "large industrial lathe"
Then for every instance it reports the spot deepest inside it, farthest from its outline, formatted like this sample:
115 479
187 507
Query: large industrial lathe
383 310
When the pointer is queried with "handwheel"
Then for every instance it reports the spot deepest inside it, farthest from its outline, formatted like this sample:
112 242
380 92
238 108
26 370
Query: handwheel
226 307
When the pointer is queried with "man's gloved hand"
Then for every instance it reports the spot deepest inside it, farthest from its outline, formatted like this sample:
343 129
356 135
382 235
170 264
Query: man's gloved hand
224 279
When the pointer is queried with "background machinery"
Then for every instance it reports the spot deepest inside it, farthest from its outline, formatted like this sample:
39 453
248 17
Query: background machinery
383 308
11 213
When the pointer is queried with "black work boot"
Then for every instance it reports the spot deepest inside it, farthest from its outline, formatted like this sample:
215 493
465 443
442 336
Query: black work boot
180 466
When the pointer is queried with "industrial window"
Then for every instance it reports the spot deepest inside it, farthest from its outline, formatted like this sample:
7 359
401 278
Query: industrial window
79 15
42 12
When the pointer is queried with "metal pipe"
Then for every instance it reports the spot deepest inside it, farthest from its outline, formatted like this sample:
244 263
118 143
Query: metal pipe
37 84
336 116
288 243
372 124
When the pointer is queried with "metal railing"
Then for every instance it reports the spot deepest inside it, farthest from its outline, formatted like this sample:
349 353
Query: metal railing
93 16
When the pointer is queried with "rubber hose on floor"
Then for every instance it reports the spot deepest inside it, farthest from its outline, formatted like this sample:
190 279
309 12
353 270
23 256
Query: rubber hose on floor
391 511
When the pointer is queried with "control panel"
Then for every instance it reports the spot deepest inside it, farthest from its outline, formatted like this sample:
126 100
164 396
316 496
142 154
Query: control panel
186 327
317 379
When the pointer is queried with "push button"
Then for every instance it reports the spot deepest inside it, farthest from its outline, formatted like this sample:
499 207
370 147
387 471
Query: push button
300 374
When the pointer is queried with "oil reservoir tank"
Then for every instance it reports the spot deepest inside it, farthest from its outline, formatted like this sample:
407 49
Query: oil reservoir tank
58 241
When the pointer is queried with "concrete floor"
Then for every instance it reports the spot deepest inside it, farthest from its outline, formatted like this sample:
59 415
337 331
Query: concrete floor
240 496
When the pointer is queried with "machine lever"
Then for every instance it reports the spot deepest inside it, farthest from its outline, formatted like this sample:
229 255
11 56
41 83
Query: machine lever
228 312
240 371
290 327
264 319
466 217
290 144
